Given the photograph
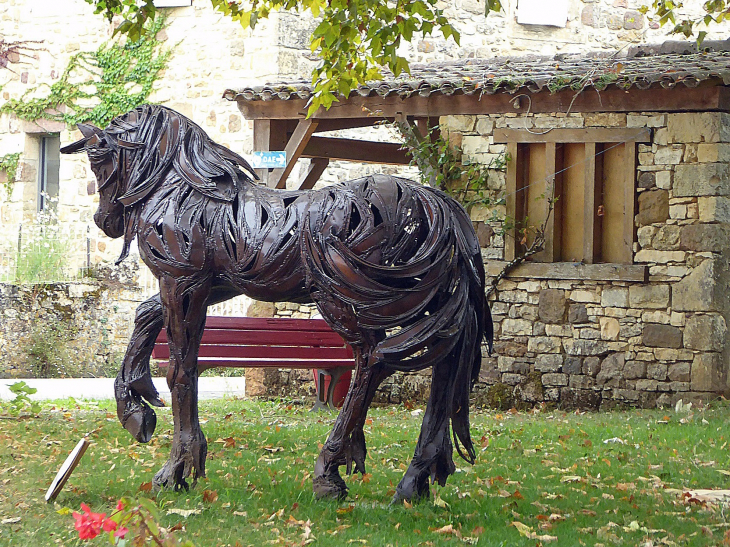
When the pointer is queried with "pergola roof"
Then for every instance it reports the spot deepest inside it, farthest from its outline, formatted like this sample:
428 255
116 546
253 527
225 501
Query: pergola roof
668 65
672 77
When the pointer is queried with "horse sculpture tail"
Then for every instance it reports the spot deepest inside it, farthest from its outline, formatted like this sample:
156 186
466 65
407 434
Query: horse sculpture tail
466 356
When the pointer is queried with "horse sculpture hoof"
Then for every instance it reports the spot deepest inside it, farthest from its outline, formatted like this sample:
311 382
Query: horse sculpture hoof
172 477
137 418
332 487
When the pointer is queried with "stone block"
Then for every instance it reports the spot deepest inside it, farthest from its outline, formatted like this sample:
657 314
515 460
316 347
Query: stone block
634 369
664 180
678 372
549 363
667 354
647 179
510 348
646 385
694 127
581 381
589 297
591 366
705 332
657 371
649 296
614 22
669 155
459 124
662 336
645 235
543 344
577 313
667 238
573 365
678 212
587 399
628 395
611 368
660 257
510 364
701 179
615 298
584 347
700 290
485 126
713 152
653 207
707 374
489 376
587 16
610 328
512 379
519 327
554 379
633 20
713 209
705 237
551 306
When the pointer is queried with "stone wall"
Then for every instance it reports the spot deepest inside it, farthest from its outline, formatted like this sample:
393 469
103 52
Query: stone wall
602 343
73 329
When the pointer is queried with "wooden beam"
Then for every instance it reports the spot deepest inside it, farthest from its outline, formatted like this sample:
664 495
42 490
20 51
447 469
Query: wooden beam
316 168
356 150
709 97
294 149
348 123
552 229
590 134
629 202
572 270
268 135
512 199
589 204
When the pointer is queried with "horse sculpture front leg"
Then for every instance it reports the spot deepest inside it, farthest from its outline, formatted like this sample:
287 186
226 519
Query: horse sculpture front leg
134 381
184 303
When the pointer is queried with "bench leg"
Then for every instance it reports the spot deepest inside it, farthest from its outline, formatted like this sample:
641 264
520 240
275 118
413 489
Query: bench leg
326 401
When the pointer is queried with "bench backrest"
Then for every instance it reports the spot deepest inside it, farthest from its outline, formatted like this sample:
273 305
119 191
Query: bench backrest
266 342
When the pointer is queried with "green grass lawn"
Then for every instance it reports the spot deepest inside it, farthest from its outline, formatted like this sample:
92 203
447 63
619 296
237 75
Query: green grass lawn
584 479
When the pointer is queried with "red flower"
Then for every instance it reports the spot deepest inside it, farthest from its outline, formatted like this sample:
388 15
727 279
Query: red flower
121 532
89 524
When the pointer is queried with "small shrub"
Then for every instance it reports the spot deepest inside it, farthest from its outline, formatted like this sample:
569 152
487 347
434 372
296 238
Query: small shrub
22 401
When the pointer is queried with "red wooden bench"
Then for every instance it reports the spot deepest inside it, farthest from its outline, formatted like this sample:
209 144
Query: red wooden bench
272 342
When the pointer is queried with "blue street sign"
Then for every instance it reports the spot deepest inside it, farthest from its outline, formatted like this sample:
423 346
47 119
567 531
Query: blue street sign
268 160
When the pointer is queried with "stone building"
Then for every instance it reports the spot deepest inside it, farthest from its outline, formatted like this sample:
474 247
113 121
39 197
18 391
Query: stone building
626 303
624 326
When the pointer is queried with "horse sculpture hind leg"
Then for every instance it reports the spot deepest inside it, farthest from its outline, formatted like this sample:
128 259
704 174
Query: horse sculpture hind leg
346 443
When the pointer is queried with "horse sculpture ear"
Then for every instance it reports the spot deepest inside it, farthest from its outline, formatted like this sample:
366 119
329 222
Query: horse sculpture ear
89 132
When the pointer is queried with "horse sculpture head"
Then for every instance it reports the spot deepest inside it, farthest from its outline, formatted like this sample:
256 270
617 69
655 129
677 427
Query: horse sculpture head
139 150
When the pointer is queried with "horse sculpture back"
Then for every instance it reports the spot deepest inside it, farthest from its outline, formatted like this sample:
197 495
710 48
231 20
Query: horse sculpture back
393 266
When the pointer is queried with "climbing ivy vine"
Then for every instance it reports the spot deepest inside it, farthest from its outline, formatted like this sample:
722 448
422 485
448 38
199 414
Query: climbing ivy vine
97 86
9 164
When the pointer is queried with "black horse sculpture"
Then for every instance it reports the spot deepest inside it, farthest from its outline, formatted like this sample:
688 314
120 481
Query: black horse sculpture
393 266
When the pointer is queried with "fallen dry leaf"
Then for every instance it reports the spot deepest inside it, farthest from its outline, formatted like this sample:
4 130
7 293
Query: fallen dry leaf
183 512
527 532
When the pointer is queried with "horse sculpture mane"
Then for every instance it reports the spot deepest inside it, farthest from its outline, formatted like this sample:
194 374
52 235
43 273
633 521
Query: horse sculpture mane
393 266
